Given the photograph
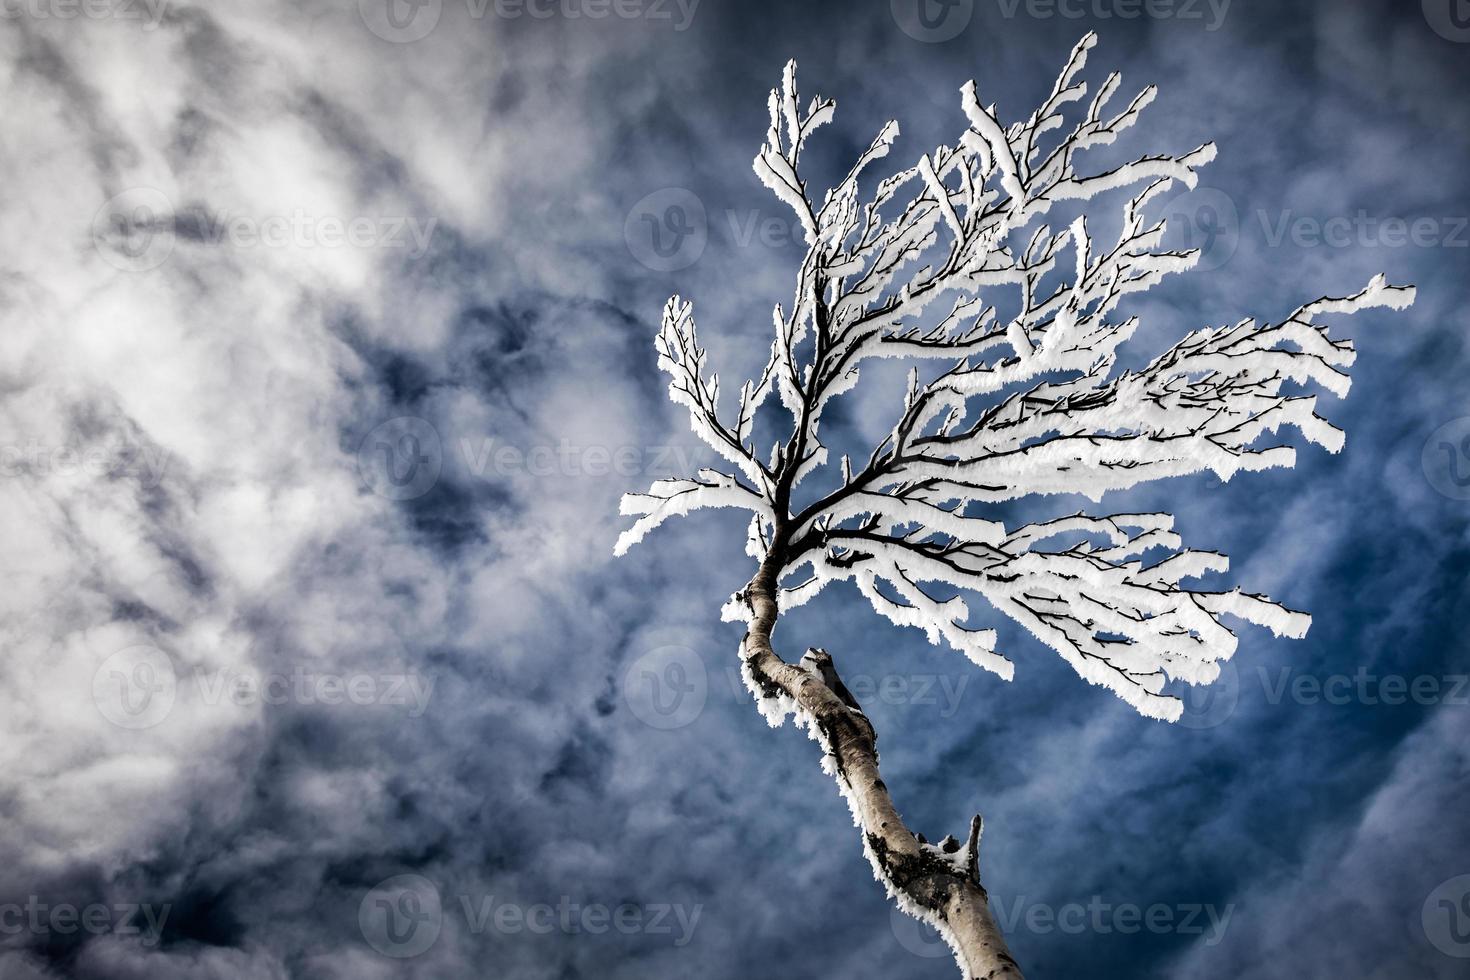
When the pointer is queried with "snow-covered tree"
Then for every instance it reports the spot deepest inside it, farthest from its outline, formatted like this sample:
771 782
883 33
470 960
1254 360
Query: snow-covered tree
998 406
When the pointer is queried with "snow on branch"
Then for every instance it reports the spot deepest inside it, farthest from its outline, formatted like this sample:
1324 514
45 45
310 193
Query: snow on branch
683 360
1087 594
1203 405
1028 404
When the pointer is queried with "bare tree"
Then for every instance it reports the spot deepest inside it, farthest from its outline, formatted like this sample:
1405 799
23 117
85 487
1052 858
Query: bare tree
997 407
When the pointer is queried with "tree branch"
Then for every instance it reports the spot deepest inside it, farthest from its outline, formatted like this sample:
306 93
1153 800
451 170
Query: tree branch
940 883
1030 405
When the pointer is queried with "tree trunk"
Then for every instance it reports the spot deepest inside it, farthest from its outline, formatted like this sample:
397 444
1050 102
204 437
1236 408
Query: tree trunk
939 884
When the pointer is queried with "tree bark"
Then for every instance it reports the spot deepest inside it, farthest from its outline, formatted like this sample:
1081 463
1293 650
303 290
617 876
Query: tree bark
939 883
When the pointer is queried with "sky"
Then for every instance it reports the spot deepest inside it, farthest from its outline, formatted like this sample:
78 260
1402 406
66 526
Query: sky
326 352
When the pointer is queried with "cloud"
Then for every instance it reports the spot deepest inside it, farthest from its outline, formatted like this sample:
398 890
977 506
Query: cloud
1363 879
323 363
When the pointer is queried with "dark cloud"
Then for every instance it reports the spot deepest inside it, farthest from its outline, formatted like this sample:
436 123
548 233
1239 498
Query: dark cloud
502 753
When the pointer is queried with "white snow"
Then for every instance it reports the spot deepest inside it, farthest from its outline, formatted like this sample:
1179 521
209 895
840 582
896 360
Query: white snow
1030 406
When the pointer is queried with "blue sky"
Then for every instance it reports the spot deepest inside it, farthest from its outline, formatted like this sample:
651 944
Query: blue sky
326 354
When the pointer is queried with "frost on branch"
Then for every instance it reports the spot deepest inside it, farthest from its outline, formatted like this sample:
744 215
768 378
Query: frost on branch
681 357
999 407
